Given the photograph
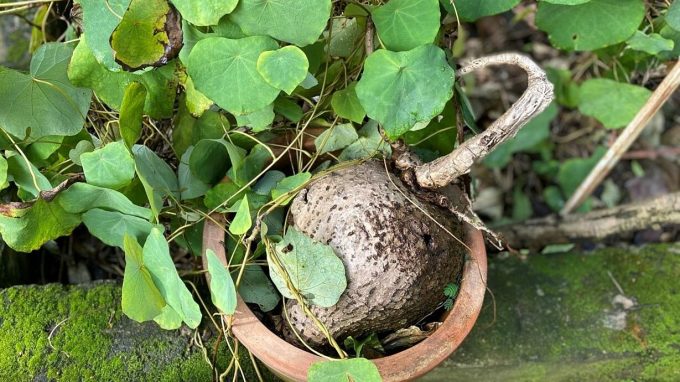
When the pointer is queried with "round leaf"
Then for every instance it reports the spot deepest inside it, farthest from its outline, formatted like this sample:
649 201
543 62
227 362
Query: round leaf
406 24
225 71
298 22
400 89
592 25
111 166
610 102
207 12
283 68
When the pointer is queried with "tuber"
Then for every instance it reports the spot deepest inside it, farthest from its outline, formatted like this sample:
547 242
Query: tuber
399 248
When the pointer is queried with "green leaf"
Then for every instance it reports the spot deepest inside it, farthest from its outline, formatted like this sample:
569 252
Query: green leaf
161 83
573 171
99 21
400 89
149 34
111 166
22 174
345 370
651 44
43 100
164 274
225 191
188 131
132 112
82 147
673 15
3 173
346 104
288 109
111 226
242 221
535 132
258 120
196 102
226 72
31 228
406 24
610 102
284 68
299 22
451 290
592 25
471 10
346 36
314 270
211 158
222 289
567 2
158 179
168 319
81 197
335 138
521 205
369 144
289 184
204 12
190 186
141 299
255 288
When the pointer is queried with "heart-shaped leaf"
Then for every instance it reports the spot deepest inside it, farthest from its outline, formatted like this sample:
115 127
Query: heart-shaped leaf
346 104
400 89
312 267
298 22
111 166
283 68
406 24
225 71
207 12
43 100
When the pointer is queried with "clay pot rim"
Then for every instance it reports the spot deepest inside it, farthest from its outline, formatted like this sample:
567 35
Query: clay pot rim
292 363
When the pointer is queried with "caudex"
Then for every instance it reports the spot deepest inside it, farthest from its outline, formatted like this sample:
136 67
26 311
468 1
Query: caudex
397 225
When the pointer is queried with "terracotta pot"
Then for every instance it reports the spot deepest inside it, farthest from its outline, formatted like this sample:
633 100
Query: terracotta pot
292 363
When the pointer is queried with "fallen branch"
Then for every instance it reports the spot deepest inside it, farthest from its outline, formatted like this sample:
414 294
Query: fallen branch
594 225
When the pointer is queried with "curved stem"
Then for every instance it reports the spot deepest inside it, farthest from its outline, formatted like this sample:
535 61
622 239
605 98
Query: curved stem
535 99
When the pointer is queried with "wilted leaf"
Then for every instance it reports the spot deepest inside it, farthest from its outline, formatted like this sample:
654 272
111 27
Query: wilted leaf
149 34
312 267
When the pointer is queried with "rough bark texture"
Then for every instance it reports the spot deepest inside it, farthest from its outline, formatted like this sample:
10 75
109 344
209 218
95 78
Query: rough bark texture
563 318
397 259
596 225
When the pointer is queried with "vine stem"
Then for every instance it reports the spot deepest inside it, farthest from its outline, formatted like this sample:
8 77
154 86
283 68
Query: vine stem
625 140
538 95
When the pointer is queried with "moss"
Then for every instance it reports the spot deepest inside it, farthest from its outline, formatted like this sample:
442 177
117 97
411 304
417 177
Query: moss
78 333
557 319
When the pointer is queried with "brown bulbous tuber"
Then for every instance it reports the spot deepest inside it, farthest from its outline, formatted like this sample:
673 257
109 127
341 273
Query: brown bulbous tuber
399 250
